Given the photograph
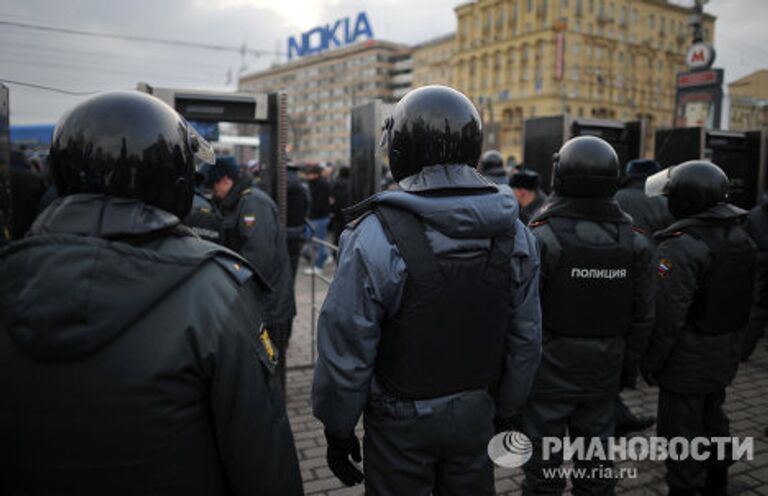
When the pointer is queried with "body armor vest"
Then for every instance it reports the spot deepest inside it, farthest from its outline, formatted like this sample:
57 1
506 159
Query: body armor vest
723 301
590 291
449 333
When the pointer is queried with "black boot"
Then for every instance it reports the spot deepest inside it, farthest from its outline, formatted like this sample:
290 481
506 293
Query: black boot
681 492
717 482
633 423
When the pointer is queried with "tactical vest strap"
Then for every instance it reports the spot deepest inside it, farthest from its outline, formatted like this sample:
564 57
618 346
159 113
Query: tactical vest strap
497 266
406 231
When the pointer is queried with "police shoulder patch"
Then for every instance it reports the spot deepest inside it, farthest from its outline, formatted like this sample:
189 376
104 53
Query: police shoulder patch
249 220
664 268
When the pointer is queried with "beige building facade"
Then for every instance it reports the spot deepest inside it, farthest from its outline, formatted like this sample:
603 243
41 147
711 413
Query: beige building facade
749 102
432 61
613 59
322 89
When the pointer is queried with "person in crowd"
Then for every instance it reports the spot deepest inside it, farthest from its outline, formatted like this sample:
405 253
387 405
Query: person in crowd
133 357
597 310
431 328
705 270
252 229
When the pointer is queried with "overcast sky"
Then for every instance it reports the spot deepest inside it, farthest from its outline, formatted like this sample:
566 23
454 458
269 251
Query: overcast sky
81 63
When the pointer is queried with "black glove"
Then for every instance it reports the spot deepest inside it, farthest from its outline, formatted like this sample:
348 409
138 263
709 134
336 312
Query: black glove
513 423
339 451
649 377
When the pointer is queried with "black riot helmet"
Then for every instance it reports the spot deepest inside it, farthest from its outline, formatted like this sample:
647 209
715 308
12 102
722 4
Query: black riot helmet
491 160
128 144
432 125
586 167
691 187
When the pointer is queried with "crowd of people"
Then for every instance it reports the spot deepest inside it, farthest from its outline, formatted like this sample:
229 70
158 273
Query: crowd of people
147 299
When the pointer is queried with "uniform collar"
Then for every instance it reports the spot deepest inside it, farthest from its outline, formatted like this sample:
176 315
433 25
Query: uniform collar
102 216
722 214
452 176
241 187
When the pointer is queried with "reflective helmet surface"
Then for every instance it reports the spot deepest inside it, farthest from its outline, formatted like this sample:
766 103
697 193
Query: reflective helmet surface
432 125
585 167
691 187
491 160
128 144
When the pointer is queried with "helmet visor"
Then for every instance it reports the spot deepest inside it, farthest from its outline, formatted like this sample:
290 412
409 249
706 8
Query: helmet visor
658 184
202 150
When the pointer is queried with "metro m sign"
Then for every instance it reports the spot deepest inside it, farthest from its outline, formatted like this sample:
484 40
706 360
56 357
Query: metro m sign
700 56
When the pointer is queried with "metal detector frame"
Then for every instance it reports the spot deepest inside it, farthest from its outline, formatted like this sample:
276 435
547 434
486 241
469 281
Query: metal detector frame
264 109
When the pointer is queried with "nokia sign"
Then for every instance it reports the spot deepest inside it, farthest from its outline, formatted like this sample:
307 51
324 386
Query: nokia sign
342 32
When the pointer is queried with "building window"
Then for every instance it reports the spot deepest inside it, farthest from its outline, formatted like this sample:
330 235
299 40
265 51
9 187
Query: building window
576 49
591 6
530 6
575 72
651 21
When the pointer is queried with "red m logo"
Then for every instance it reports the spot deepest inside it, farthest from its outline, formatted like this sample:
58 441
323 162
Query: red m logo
698 56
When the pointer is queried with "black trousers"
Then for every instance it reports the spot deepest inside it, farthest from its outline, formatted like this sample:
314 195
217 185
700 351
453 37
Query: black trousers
554 418
689 416
443 452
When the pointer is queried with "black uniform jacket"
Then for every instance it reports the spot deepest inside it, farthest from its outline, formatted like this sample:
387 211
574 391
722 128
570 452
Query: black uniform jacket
131 361
577 368
252 229
683 360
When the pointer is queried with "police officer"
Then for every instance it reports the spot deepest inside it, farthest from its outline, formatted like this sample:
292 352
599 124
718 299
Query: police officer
706 263
492 167
650 214
434 300
757 227
297 203
131 354
204 219
597 307
252 229
526 186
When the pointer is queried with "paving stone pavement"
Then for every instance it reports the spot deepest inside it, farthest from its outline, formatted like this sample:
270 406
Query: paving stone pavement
746 404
